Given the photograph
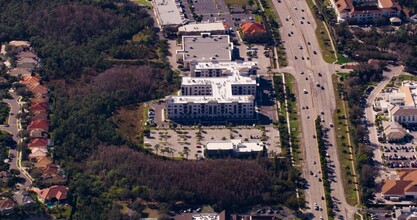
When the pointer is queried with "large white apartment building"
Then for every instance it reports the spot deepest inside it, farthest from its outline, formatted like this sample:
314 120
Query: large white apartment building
230 94
365 10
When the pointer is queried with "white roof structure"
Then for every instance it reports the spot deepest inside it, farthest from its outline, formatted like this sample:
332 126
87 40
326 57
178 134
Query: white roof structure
202 27
236 145
169 12
221 86
206 48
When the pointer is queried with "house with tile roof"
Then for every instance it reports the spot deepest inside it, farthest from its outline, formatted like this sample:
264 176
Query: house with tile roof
27 54
40 97
42 125
404 186
37 133
254 32
39 115
38 152
19 72
6 206
35 89
52 194
43 162
30 80
39 107
38 142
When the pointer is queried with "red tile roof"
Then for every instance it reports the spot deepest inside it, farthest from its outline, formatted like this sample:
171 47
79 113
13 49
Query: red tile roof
43 106
30 80
38 89
38 124
38 142
6 204
54 192
407 183
40 115
252 27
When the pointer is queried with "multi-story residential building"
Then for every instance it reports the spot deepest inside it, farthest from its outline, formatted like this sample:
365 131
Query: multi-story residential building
365 10
228 94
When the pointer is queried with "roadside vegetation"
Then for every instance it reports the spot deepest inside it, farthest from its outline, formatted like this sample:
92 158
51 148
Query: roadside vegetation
323 16
354 86
4 113
344 148
295 132
324 167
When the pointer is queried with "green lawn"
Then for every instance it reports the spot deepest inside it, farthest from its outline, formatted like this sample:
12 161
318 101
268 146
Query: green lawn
342 60
407 77
294 119
240 3
143 2
342 131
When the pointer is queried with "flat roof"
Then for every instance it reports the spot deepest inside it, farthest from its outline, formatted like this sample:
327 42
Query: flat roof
221 86
169 12
208 48
236 145
202 27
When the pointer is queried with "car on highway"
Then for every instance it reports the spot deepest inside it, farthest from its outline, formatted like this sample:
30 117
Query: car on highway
331 125
301 22
302 58
295 8
302 73
295 57
305 91
308 43
308 22
314 52
320 74
302 10
317 84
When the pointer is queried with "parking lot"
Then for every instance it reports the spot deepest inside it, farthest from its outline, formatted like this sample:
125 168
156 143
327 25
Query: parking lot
399 156
189 143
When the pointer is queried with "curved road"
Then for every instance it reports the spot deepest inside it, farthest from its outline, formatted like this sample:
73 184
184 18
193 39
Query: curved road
13 129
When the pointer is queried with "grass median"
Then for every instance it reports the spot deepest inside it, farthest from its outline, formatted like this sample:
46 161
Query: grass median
341 124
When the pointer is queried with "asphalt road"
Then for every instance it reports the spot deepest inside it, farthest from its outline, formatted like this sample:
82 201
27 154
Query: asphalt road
305 66
14 130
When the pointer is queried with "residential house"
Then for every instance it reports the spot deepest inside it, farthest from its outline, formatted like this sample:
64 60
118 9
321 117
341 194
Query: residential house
50 171
35 89
37 133
23 199
38 142
26 63
394 131
212 216
39 115
53 193
38 152
27 54
19 72
404 186
30 80
43 162
6 206
39 107
40 97
42 125
19 43
3 80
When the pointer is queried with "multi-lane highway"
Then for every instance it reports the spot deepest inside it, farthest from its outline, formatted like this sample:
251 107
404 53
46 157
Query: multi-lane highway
316 97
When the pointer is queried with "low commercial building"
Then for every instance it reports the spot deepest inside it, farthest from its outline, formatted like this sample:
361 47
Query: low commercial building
233 148
394 131
199 28
205 48
365 11
404 186
227 93
168 13
404 115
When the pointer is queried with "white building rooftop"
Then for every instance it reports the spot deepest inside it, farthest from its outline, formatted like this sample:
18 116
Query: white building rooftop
236 145
169 12
202 27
